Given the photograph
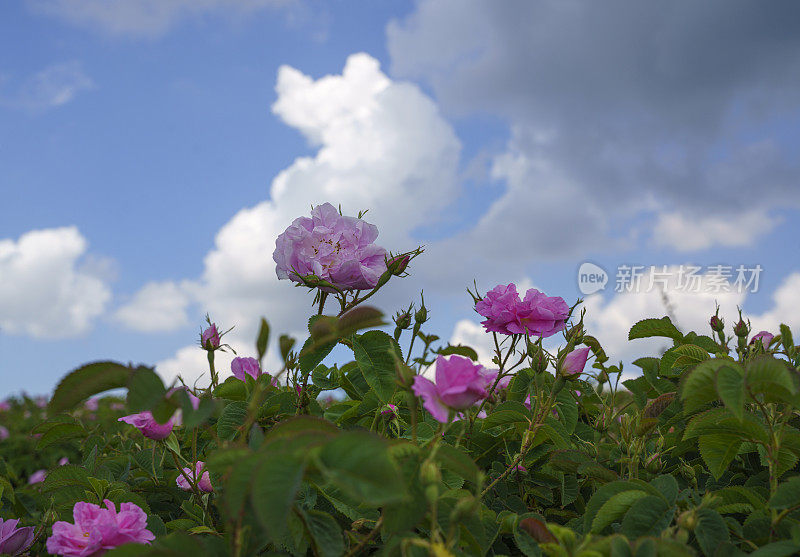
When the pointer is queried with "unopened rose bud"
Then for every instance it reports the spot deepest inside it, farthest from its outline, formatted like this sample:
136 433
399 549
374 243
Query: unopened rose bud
403 320
687 520
575 334
429 473
421 316
717 325
389 410
741 329
311 280
573 363
210 338
397 264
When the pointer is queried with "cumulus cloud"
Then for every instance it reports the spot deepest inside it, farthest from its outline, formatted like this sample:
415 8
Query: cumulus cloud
689 234
158 306
618 110
144 17
44 290
51 87
382 145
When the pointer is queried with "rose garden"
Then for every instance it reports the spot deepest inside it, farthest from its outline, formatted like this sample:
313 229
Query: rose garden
409 446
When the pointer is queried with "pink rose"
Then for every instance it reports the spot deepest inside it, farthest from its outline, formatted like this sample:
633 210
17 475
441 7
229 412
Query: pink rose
147 424
14 540
37 477
460 383
63 461
538 314
333 247
575 361
4 405
97 529
204 484
242 367
764 336
3 432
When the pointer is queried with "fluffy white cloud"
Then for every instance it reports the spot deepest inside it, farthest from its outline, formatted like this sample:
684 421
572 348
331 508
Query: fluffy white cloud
44 291
158 306
51 87
383 146
685 233
144 17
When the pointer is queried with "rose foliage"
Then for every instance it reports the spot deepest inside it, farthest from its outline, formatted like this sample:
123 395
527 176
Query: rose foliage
400 444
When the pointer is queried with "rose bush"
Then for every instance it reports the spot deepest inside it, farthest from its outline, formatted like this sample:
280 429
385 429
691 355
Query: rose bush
408 445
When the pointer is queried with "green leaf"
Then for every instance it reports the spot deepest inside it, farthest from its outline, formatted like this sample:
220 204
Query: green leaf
711 531
145 390
358 463
730 386
787 495
648 516
361 317
86 381
459 462
231 389
718 450
667 486
654 328
262 340
276 480
285 344
770 377
681 356
312 354
459 350
615 508
232 418
372 353
700 386
787 340
59 433
326 535
509 412
783 548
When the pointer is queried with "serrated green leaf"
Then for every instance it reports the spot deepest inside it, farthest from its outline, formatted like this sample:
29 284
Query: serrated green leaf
718 450
372 353
276 480
787 495
145 390
711 531
730 387
232 418
615 508
647 516
771 378
86 381
654 328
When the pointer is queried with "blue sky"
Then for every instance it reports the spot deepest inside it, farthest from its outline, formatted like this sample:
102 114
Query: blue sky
515 142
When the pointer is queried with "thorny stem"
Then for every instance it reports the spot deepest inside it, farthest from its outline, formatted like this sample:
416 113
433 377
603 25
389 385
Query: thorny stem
366 539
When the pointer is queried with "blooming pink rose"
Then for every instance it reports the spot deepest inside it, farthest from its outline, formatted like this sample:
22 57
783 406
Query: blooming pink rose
3 432
538 314
210 337
205 480
460 383
14 540
575 361
97 529
333 247
242 367
765 337
147 424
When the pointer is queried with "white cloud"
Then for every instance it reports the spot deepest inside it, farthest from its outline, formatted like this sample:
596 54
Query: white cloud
144 17
472 334
44 290
158 306
383 146
691 233
51 87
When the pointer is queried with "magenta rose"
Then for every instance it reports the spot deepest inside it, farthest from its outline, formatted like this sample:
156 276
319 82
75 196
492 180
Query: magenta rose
203 484
147 424
14 540
538 314
242 367
460 383
333 247
764 336
3 432
37 477
97 529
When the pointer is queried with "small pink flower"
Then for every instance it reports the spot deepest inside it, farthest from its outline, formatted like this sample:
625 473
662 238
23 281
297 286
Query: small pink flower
209 339
14 540
459 384
764 336
519 468
575 361
37 477
63 461
3 433
242 367
389 410
117 406
4 406
527 402
205 479
150 428
97 529
91 404
41 401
